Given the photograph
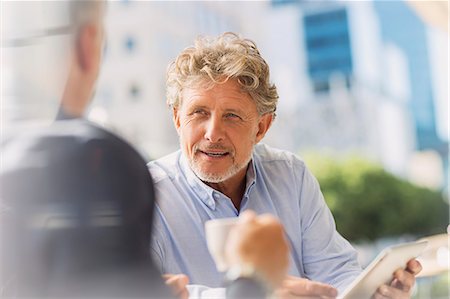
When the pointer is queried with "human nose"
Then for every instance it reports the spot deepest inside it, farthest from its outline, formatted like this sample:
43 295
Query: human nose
214 131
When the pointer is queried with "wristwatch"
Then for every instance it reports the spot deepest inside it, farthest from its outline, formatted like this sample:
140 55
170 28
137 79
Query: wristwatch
244 281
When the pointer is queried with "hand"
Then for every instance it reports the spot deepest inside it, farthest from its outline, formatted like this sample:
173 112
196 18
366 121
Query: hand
259 241
296 287
401 285
177 283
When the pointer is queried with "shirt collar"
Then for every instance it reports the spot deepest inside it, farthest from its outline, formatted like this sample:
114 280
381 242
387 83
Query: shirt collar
250 177
201 189
205 192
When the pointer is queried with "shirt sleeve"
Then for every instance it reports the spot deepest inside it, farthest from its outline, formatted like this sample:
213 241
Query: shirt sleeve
156 244
156 256
327 256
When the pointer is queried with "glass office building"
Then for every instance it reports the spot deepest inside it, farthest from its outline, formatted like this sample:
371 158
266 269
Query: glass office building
328 48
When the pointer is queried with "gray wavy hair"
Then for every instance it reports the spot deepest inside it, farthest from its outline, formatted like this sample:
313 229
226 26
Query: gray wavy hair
214 61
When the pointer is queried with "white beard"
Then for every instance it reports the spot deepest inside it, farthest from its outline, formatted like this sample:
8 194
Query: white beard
214 177
217 177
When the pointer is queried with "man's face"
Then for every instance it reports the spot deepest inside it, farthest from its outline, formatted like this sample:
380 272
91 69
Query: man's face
218 128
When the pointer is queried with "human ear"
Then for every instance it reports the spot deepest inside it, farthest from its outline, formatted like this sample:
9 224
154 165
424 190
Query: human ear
176 118
263 126
89 48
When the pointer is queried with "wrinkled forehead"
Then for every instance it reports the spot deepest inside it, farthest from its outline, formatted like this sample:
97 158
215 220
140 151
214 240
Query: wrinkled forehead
229 94
203 84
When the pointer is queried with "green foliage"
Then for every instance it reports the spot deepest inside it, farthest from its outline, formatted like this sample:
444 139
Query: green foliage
368 203
433 287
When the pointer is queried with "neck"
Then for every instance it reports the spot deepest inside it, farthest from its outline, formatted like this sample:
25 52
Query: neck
234 187
74 102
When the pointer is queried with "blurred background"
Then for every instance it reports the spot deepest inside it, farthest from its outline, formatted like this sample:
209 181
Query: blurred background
363 99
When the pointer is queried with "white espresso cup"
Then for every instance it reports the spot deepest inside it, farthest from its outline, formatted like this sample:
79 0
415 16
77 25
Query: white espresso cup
217 231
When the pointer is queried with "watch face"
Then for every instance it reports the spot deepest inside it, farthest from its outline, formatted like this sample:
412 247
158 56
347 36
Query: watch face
246 287
246 279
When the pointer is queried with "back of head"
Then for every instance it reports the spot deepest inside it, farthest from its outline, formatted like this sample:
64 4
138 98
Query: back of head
39 52
76 213
86 11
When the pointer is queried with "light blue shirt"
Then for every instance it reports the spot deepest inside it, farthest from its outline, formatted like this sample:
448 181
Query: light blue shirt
278 183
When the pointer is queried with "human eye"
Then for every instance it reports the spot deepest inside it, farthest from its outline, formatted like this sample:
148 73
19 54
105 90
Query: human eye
198 112
231 115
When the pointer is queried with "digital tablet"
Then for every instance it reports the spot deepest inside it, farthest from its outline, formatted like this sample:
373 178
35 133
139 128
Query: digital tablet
381 269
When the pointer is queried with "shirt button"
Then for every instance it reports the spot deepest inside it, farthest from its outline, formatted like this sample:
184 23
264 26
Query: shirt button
216 196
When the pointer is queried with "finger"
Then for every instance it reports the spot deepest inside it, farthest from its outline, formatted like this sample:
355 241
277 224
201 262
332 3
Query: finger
184 294
377 295
169 279
397 284
305 287
391 292
403 280
178 288
267 218
177 281
270 222
413 267
283 293
247 215
182 280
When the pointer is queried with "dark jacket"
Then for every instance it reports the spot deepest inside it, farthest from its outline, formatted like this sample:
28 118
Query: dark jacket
76 213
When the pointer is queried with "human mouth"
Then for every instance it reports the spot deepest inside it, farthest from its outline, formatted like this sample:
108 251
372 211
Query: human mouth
215 154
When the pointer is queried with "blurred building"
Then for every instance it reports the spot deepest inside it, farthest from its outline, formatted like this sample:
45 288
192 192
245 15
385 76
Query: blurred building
394 17
368 64
418 48
328 48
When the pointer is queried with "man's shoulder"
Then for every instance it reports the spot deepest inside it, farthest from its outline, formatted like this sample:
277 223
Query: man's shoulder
66 136
78 130
71 143
165 167
90 137
269 155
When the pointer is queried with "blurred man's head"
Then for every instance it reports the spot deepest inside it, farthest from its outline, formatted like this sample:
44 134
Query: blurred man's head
51 54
